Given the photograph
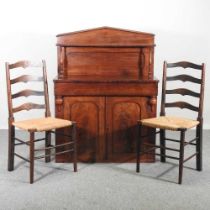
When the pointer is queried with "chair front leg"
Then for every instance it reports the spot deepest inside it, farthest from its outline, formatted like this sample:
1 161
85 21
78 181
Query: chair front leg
181 155
74 139
138 148
31 157
11 147
162 146
47 144
199 135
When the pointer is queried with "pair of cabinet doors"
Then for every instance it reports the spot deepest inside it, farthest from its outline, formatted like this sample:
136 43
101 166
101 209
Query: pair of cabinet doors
106 127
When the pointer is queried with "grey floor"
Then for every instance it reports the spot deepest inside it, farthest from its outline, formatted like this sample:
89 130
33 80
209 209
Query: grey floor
104 186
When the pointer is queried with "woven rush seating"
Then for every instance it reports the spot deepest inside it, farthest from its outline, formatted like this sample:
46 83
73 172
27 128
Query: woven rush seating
35 74
42 124
170 123
172 73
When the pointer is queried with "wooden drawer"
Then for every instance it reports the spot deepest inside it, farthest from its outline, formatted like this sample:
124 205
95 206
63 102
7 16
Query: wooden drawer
132 88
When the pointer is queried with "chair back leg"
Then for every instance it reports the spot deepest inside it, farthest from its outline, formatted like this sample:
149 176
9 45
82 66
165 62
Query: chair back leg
162 146
31 159
74 139
11 148
47 144
199 135
181 155
138 148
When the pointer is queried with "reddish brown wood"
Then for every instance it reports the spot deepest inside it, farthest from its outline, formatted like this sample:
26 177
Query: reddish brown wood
26 78
100 72
185 64
104 88
183 105
184 92
89 113
106 36
28 106
122 113
184 78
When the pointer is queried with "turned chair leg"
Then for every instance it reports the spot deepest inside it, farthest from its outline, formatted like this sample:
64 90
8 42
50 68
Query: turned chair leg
181 155
162 146
11 148
31 157
47 144
74 139
138 148
199 147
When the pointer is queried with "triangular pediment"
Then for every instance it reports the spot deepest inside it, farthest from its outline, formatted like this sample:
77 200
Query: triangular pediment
106 29
105 36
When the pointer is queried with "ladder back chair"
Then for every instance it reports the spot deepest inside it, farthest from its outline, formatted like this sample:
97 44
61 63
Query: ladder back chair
175 123
46 124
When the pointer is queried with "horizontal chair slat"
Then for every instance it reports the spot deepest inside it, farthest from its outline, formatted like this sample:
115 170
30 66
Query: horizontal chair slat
54 147
184 64
167 156
59 133
53 154
157 146
185 143
24 64
28 142
148 136
28 106
26 78
27 92
183 91
191 142
184 78
21 141
190 157
21 157
182 105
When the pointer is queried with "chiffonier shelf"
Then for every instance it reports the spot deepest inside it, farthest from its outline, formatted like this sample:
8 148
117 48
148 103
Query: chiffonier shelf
105 83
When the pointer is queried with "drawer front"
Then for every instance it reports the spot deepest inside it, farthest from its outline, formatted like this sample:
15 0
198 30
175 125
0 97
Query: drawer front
106 88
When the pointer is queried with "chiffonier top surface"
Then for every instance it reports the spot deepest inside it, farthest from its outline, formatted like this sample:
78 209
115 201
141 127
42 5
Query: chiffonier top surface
106 36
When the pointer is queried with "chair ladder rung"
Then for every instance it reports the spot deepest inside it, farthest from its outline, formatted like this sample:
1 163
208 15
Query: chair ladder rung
167 156
151 134
190 157
61 134
27 142
157 146
53 147
185 143
41 139
147 151
21 157
190 142
21 141
175 140
58 153
18 144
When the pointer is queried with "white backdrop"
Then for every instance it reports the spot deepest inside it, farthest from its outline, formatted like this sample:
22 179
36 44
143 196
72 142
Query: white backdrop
29 28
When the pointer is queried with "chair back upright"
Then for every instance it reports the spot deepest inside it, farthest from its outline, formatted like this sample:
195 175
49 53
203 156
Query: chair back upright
26 78
184 77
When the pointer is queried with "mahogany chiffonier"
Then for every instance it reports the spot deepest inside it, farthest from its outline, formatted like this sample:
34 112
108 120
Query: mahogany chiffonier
105 83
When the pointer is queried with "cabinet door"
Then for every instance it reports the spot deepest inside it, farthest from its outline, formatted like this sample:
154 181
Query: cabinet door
88 112
122 114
